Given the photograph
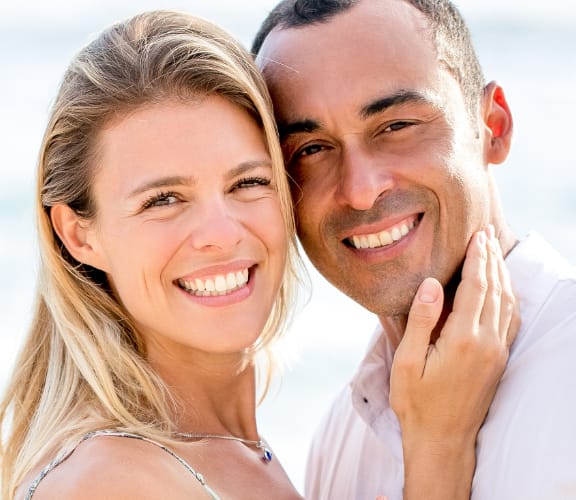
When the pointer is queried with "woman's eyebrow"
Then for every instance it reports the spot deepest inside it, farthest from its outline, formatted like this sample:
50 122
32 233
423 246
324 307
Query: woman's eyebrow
162 182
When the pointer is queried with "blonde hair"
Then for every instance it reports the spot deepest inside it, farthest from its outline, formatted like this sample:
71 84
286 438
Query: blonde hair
82 366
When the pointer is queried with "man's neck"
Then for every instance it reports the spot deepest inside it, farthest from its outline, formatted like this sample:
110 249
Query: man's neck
394 326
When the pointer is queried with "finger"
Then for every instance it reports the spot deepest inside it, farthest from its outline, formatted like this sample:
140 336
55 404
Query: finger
490 316
422 318
509 309
514 325
469 298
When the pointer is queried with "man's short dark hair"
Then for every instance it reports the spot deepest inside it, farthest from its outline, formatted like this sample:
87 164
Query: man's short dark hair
293 13
448 31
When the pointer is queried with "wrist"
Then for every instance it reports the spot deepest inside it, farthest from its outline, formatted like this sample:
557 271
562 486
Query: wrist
439 468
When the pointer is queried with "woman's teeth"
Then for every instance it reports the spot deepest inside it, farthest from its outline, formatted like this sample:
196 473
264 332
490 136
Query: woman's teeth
219 284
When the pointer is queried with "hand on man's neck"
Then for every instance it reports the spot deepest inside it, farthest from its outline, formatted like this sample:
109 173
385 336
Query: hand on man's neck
394 326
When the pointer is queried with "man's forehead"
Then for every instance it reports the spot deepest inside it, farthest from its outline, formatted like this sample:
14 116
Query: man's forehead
385 26
278 49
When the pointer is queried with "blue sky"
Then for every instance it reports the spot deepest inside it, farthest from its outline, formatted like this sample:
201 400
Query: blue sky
240 17
68 10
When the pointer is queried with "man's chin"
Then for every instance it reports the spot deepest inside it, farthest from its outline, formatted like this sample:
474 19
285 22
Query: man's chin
394 304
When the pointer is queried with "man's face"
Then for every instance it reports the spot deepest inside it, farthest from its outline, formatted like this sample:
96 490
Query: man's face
389 173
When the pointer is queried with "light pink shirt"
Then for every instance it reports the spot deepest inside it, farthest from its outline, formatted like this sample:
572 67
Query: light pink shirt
527 446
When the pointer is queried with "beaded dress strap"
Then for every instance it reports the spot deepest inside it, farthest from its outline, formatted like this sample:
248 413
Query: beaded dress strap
59 459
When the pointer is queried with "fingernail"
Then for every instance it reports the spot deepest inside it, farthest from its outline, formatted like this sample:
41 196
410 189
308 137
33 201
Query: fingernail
428 291
491 232
481 235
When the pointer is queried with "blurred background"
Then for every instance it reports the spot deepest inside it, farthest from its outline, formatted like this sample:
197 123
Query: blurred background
529 49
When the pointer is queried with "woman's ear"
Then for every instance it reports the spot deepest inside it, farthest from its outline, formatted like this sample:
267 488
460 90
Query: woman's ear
497 124
77 235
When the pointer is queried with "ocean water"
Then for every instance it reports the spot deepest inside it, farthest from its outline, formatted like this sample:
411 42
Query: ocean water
531 53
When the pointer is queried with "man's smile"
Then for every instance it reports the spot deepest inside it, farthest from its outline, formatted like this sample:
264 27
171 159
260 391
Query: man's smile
385 237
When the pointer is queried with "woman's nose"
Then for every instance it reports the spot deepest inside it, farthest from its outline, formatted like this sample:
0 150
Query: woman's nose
215 225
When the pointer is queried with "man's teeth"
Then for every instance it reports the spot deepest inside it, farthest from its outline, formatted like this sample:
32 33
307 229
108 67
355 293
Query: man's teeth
220 284
383 238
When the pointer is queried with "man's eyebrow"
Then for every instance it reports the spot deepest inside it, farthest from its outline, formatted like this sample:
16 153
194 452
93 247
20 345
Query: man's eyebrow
297 127
400 97
373 108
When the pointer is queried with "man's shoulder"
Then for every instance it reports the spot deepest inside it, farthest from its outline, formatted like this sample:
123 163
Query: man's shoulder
533 258
545 282
338 415
327 445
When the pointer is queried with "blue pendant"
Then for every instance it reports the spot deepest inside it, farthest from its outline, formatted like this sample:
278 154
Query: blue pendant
266 454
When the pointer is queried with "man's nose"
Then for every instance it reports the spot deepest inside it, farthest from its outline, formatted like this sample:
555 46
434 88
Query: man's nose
363 178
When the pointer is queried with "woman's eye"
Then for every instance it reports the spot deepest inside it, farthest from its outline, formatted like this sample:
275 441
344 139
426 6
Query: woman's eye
160 200
252 182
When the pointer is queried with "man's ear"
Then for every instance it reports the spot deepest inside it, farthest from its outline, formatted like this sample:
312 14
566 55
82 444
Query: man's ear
77 235
497 124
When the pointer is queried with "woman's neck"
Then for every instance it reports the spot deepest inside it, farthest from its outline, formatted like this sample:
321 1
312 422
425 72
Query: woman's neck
214 393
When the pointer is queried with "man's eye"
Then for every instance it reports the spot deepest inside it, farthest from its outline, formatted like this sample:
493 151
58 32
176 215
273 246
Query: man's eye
160 200
393 127
310 150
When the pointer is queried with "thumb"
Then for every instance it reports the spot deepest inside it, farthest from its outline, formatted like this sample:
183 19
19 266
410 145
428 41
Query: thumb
422 318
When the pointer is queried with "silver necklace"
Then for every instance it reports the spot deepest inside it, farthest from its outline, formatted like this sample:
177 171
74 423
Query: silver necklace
258 444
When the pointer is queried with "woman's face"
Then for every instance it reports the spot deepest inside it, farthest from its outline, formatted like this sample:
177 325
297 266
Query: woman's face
189 227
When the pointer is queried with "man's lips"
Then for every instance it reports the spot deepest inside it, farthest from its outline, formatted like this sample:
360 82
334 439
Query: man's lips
385 237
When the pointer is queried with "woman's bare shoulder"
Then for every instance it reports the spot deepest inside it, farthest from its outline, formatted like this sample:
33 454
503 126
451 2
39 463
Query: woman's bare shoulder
107 467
